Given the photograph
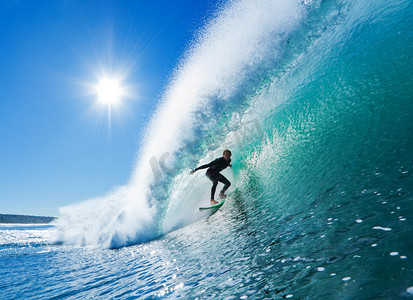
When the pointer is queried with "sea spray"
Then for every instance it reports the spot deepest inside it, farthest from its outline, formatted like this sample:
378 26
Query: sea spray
107 222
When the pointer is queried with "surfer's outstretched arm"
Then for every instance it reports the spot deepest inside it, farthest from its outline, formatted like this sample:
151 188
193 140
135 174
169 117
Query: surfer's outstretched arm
202 167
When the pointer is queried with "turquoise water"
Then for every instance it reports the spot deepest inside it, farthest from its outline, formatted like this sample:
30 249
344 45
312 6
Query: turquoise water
315 101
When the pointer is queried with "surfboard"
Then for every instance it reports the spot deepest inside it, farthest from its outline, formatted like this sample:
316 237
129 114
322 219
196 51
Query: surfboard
213 206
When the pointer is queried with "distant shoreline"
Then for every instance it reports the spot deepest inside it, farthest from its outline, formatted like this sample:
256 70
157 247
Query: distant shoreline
24 219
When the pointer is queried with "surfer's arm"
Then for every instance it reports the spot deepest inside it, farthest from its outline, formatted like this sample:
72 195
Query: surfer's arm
212 163
200 168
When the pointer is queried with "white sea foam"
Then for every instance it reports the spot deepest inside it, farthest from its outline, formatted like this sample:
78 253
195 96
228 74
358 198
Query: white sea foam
382 228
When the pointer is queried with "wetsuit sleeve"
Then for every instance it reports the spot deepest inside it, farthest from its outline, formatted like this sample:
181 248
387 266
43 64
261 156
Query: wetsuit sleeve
212 163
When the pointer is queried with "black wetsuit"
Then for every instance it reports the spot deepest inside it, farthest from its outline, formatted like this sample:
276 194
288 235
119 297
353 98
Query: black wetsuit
213 174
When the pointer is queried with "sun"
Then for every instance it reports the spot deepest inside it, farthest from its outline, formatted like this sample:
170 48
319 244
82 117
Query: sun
109 91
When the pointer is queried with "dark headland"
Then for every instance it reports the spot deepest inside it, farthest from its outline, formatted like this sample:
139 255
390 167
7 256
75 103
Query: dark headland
23 219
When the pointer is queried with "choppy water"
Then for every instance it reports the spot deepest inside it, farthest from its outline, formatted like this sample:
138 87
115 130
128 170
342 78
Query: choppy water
315 101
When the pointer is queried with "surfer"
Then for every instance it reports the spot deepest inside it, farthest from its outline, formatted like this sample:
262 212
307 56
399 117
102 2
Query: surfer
213 173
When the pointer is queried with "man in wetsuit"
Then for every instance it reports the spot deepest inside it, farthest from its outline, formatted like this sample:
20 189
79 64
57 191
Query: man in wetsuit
213 173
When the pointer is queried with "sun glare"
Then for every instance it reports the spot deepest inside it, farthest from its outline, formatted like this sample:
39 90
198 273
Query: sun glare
109 91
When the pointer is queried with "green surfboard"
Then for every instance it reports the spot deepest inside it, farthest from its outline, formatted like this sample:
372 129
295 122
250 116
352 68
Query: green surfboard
216 206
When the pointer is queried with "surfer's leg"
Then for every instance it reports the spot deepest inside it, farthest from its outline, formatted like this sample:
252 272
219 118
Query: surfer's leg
225 181
213 188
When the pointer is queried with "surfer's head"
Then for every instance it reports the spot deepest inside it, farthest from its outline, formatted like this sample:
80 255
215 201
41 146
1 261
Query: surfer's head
226 154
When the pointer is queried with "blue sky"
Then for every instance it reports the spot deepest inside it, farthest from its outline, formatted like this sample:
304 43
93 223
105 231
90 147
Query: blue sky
59 144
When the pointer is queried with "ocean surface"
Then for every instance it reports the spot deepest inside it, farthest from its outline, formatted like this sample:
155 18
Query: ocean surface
315 100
